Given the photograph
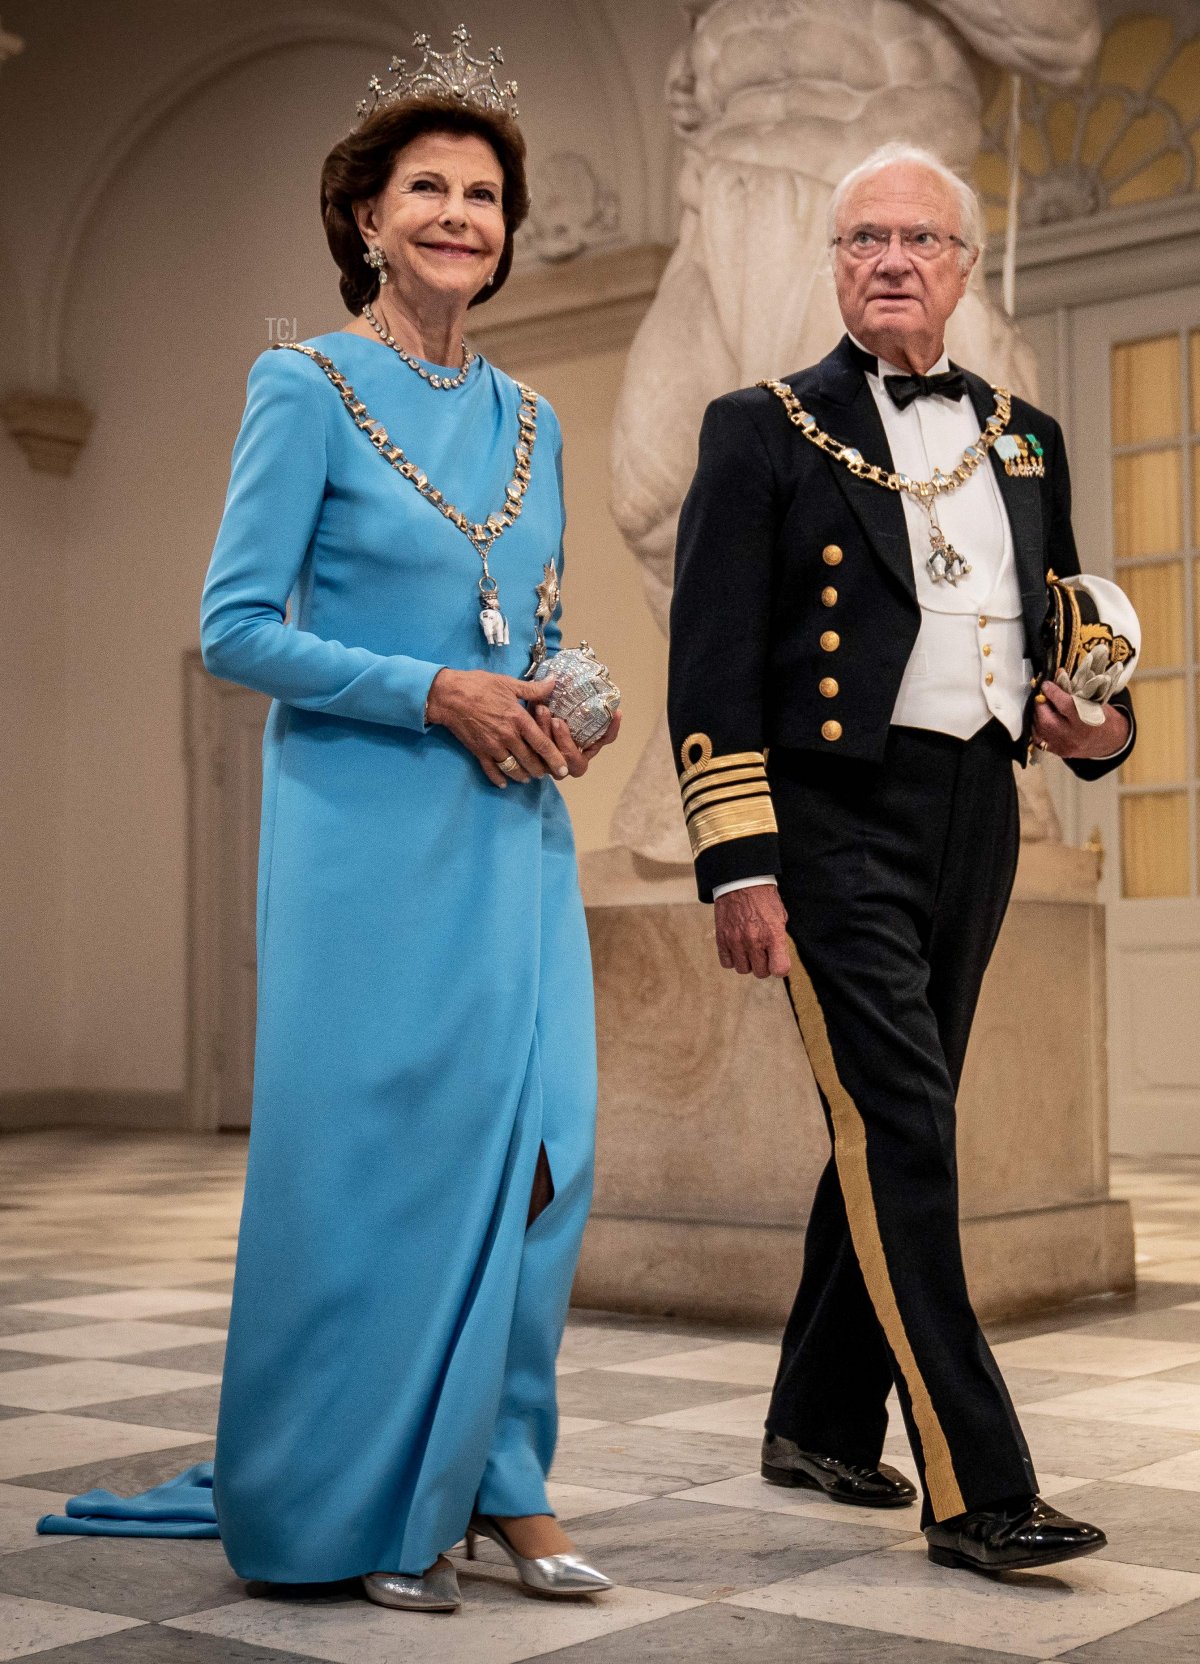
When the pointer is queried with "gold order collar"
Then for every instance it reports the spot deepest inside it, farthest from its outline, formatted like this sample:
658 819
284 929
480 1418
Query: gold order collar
482 535
925 491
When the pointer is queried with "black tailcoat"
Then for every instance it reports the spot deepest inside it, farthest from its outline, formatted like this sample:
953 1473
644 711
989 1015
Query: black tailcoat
780 546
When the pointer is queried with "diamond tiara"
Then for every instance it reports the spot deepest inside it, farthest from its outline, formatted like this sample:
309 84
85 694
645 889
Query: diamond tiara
454 74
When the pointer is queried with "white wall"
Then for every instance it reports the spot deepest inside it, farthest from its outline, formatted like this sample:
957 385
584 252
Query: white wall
151 230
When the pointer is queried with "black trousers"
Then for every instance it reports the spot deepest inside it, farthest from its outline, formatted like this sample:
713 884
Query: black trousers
896 877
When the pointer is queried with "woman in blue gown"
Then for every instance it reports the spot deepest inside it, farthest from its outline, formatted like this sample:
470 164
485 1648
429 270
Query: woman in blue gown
421 1144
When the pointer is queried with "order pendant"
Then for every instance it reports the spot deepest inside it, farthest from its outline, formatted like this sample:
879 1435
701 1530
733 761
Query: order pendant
491 620
945 564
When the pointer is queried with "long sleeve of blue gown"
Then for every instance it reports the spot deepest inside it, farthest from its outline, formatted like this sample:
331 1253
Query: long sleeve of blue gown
274 501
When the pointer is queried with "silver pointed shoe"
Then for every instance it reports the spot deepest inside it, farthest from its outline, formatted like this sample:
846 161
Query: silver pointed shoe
552 1574
436 1591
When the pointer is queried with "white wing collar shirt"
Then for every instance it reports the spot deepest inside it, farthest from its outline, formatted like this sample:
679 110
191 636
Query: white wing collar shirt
968 663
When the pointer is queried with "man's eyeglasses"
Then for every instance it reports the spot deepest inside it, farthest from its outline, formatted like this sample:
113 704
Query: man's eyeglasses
867 242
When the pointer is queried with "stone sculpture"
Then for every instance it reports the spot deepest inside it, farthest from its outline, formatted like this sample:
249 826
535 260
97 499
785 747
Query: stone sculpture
773 101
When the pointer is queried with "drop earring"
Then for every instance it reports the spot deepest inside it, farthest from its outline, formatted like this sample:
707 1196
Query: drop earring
377 260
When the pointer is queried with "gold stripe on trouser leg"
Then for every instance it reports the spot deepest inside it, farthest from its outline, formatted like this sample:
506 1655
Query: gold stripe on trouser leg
850 1153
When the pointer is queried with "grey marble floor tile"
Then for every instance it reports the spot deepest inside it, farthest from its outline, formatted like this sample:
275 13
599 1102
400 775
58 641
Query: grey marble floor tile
25 1360
154 1645
719 1635
1025 1385
1099 1449
1146 1525
217 1318
192 1410
126 1476
1185 1372
685 1548
41 1288
206 1358
21 1322
134 1577
610 1396
1171 1638
1172 1323
652 1460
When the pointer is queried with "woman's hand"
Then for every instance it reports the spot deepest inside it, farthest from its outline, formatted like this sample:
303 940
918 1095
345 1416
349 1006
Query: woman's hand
486 713
556 729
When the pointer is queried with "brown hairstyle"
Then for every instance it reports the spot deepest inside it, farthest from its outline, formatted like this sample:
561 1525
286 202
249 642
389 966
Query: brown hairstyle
361 165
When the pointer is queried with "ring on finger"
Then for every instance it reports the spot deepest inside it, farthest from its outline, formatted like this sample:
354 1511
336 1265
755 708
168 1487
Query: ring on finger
510 765
1042 745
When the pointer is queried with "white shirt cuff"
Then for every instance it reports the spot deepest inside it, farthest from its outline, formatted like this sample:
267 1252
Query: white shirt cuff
742 884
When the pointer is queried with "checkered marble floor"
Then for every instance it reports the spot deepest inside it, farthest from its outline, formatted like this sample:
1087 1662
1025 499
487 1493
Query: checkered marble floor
115 1268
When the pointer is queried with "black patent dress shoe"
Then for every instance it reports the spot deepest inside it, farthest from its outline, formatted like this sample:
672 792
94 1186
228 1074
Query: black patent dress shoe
784 1463
1014 1537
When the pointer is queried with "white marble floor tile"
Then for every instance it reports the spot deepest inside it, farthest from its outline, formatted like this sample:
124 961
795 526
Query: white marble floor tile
742 1362
150 1273
573 1502
1178 1473
742 1417
1142 1403
33 1626
578 1424
1034 1614
132 1302
38 1443
1079 1353
107 1340
20 1509
1170 1271
69 1386
496 1623
1170 1247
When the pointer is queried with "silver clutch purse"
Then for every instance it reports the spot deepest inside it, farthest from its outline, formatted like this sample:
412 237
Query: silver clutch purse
585 695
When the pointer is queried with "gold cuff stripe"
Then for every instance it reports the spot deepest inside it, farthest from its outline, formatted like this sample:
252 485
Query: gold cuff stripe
726 821
850 1154
725 794
703 760
718 777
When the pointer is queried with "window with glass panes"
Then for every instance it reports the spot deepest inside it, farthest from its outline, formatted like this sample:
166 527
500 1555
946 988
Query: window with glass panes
1156 529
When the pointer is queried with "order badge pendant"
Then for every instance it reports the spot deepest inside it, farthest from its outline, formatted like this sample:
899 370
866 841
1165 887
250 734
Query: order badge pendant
491 620
945 564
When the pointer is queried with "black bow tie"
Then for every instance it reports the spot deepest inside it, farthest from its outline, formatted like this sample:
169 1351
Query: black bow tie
951 384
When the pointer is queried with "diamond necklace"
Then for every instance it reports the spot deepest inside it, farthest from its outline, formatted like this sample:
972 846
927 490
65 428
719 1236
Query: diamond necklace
442 383
944 563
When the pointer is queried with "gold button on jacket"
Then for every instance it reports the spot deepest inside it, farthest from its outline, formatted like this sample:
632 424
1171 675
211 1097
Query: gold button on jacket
829 596
831 641
831 730
831 555
828 687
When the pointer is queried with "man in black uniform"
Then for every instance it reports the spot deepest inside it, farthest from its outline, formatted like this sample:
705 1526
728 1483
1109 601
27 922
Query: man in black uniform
860 586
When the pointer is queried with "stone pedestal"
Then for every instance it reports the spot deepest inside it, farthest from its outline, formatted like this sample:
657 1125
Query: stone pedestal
711 1135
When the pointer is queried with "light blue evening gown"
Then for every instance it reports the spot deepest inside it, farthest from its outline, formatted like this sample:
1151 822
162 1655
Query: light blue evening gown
425 1019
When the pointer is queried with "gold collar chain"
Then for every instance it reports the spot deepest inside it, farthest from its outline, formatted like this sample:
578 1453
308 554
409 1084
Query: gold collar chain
481 535
945 564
